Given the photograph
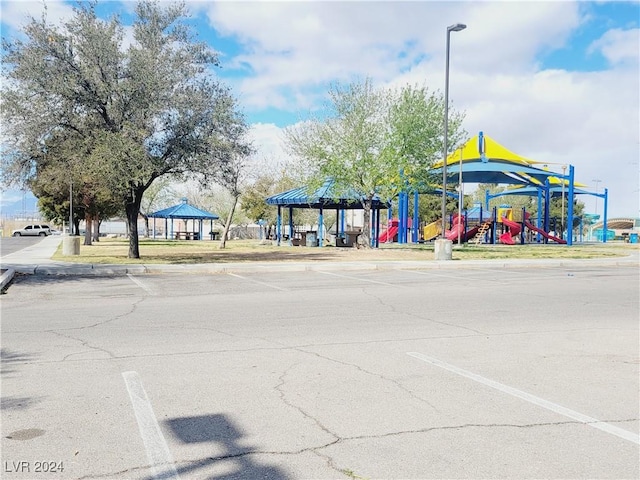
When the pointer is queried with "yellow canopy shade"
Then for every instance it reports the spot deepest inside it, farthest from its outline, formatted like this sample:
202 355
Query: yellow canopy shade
492 151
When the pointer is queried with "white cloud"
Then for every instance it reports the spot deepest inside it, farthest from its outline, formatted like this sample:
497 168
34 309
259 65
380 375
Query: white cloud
587 119
17 14
299 46
619 46
267 140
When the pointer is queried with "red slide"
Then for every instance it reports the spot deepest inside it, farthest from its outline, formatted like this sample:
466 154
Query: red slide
531 226
458 227
514 229
453 233
389 234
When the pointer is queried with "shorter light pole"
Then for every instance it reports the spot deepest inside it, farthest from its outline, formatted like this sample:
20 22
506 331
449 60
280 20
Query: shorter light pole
564 170
70 208
596 181
460 196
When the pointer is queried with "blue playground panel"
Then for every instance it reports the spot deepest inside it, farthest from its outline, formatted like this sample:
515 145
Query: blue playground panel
598 234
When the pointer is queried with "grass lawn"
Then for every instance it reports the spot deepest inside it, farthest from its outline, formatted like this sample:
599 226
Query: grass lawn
114 251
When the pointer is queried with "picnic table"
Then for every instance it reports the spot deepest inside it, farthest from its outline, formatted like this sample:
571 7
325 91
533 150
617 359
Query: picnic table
187 235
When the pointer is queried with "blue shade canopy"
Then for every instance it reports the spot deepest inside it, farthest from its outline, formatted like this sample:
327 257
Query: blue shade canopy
496 171
555 191
324 197
184 211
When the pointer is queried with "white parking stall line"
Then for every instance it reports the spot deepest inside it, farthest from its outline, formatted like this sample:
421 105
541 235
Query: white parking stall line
158 452
258 282
349 277
142 285
541 402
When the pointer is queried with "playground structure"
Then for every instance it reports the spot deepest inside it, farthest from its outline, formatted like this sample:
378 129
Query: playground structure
479 160
500 225
483 160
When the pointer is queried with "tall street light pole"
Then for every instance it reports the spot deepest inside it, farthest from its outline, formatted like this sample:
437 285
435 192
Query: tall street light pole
451 28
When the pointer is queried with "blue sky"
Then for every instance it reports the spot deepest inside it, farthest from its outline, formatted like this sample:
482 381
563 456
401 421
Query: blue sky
553 81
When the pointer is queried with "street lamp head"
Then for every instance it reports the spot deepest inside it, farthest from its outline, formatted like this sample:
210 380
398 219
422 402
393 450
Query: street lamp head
456 27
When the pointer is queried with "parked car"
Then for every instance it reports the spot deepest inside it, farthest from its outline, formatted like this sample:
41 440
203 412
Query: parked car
32 230
55 232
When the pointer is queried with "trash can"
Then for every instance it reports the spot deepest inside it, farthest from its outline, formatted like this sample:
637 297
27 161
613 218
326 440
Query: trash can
311 239
633 238
71 245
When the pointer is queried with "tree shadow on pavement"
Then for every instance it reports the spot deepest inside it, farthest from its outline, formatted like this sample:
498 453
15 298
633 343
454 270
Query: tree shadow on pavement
218 429
9 360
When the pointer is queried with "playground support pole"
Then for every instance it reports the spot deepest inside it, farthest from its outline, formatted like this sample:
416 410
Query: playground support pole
400 217
539 224
570 210
372 228
494 230
389 217
547 198
290 226
486 200
415 217
604 218
378 228
320 228
406 217
278 225
524 212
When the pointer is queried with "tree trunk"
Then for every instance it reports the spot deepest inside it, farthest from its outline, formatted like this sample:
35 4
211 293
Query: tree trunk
366 228
88 223
95 234
146 225
227 225
133 209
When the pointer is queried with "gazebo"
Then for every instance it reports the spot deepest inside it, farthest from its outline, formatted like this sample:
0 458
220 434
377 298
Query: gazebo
185 212
323 198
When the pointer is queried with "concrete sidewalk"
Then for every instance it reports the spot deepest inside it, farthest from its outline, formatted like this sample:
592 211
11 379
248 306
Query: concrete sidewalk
36 260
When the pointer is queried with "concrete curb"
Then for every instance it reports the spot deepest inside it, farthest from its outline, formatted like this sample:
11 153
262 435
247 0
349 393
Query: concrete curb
222 268
6 277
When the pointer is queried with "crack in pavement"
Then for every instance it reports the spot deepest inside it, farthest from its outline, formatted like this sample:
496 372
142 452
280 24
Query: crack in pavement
394 309
85 343
330 463
119 472
337 439
284 399
473 425
378 375
133 308
245 337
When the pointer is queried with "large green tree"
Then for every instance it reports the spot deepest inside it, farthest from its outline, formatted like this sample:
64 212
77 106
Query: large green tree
142 111
376 141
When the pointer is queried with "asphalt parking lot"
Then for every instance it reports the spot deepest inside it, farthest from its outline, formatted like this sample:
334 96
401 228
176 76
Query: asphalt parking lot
461 373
